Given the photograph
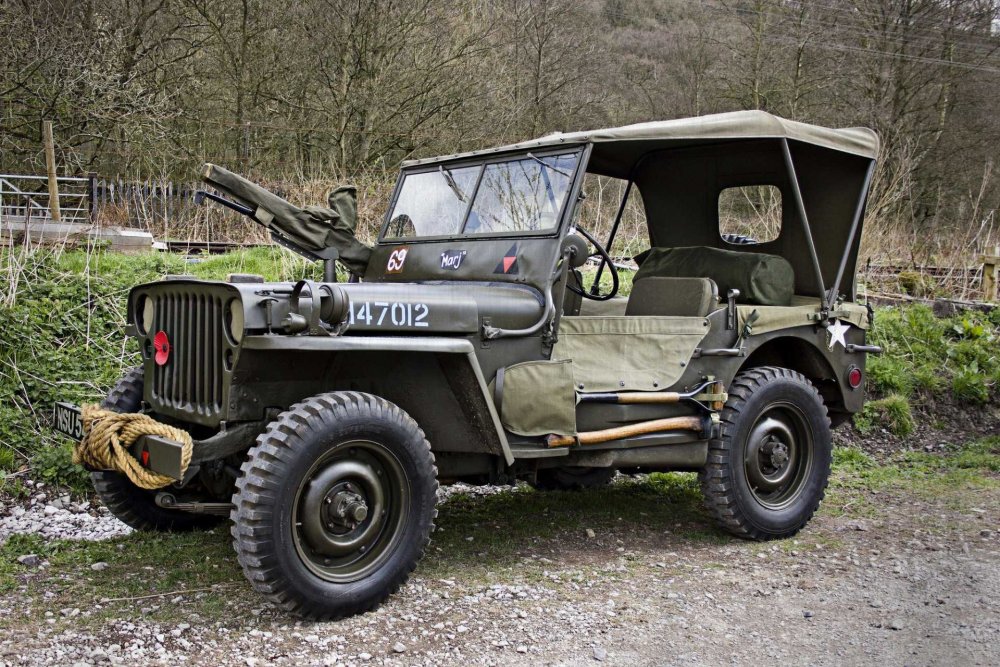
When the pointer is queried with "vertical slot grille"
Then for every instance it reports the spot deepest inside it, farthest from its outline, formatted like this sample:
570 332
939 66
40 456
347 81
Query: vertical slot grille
191 380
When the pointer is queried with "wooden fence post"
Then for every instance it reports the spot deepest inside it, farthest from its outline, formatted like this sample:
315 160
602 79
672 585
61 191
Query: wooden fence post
50 164
92 196
991 275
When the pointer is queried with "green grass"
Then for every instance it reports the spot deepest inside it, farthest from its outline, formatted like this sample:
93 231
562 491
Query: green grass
892 413
959 355
624 280
973 464
142 567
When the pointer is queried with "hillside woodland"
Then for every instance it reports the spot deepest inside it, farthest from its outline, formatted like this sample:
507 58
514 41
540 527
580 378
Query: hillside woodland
308 93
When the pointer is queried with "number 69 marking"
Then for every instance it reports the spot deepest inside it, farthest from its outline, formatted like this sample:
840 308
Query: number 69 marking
396 260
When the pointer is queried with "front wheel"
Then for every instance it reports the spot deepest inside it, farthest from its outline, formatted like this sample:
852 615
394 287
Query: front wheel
335 505
132 505
767 471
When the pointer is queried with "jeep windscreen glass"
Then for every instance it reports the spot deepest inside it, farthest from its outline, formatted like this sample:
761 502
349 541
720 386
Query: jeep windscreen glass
523 195
432 203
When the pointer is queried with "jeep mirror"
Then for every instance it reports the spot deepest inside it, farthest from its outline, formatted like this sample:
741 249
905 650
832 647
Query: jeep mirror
579 251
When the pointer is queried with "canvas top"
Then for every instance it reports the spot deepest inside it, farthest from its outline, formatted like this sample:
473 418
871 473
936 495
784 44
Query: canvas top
736 125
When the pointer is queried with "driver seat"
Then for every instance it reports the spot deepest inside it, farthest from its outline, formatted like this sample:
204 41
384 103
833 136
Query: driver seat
673 297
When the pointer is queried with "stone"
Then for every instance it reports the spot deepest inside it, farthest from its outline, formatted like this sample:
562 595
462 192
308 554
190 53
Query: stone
591 534
97 567
399 647
896 624
29 560
600 655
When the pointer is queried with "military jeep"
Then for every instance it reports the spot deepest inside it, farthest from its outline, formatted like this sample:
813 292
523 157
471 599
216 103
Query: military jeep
474 342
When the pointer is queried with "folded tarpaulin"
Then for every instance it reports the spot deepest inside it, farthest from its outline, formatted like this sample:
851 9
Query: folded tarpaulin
314 228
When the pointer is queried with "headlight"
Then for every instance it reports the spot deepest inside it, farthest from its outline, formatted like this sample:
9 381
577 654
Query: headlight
234 320
146 314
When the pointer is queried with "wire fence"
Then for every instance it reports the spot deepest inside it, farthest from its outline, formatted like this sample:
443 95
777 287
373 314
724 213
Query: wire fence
168 210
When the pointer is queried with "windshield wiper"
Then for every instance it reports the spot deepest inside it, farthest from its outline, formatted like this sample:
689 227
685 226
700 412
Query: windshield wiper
549 166
451 183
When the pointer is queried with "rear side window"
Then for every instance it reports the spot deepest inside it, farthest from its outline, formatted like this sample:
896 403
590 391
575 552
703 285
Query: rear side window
750 214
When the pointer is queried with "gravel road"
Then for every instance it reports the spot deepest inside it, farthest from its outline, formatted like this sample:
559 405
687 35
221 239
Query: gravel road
887 578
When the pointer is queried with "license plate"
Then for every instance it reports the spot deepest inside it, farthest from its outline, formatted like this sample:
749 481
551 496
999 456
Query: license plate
68 420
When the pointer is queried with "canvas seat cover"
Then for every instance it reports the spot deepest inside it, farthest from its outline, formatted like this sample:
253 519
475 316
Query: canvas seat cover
678 297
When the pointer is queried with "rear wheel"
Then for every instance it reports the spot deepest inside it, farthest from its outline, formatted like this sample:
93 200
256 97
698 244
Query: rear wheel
132 505
571 478
335 505
767 471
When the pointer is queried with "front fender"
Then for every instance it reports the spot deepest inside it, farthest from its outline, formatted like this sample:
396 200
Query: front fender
372 363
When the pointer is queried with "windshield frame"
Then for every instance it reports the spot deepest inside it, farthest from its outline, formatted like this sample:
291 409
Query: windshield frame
569 205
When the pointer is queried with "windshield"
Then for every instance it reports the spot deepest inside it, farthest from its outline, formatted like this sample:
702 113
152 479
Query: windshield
524 194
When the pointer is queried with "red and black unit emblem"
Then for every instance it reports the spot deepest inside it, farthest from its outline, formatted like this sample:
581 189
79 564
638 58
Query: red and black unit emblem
162 347
508 264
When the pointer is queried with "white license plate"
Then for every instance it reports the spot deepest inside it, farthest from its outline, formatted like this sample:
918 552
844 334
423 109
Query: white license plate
68 420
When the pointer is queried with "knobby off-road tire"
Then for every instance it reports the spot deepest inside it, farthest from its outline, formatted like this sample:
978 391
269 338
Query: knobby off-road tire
130 504
335 505
572 478
767 471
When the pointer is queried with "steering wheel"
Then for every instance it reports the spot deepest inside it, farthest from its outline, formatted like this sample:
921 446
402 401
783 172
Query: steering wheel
599 251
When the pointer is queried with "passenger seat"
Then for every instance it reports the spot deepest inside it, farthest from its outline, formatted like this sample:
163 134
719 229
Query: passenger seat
676 297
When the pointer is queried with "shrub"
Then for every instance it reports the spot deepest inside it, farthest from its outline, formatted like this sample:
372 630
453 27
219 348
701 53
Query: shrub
968 384
54 465
63 331
890 375
891 413
916 284
923 352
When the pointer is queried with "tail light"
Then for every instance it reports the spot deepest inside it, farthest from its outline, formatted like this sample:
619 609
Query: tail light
854 377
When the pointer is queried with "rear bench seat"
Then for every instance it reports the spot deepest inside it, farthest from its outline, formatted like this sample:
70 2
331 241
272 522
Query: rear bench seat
687 281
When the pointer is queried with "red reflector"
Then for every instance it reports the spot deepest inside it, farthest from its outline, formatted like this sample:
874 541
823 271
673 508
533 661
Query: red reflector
161 344
854 377
145 458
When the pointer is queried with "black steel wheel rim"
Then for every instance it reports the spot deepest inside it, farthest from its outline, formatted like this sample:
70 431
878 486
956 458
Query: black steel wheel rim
348 511
778 455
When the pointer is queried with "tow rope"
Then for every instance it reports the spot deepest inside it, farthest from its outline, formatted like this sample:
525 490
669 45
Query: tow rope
107 436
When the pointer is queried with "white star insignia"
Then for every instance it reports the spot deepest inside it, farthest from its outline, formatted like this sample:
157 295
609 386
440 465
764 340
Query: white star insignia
837 331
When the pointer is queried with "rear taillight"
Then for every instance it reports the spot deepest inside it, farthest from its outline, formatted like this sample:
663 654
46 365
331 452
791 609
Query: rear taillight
854 377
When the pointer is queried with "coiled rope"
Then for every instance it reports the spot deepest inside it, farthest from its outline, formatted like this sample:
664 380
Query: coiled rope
107 436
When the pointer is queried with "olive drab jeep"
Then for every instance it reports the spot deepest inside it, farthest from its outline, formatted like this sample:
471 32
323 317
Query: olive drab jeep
474 342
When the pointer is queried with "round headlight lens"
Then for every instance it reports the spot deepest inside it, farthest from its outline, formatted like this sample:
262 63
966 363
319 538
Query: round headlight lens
236 320
147 314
